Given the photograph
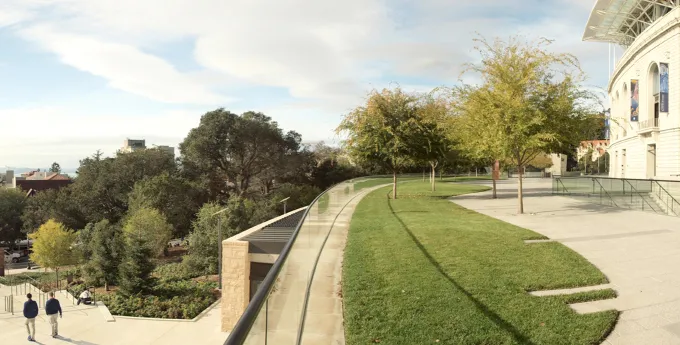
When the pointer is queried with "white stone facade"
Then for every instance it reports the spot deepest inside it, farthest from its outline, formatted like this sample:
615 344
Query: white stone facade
647 148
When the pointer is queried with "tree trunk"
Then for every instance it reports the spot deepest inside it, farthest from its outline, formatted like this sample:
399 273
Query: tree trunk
493 190
394 185
57 272
433 176
441 172
423 175
520 199
106 286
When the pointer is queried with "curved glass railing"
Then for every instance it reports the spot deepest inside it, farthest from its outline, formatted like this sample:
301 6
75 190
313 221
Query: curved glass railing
281 311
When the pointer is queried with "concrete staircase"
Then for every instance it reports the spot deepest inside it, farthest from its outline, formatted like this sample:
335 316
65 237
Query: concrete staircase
638 201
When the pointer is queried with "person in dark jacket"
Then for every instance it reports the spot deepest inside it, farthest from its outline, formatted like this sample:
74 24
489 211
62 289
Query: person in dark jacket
53 309
30 313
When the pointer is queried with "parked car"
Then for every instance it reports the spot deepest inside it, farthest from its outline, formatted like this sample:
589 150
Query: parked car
12 257
177 242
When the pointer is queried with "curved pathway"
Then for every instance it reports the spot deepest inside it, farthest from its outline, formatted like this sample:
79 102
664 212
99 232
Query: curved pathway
323 235
639 252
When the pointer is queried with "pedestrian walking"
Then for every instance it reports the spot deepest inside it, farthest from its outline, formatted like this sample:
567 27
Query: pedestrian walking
30 313
53 310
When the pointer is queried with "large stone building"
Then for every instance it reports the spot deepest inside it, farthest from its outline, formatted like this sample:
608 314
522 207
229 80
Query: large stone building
645 103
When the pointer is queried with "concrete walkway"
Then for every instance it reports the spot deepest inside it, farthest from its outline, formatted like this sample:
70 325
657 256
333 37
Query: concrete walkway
85 325
323 323
639 253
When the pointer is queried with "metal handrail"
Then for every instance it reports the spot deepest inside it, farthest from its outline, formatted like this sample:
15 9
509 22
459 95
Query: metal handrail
559 179
621 178
640 195
240 331
668 195
605 191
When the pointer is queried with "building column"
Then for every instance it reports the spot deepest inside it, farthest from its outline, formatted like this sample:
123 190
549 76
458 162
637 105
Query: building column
235 282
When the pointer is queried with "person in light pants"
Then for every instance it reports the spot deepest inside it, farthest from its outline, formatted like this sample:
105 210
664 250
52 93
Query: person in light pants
30 313
53 311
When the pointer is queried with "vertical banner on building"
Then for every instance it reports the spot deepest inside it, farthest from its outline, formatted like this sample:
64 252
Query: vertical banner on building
607 116
663 88
634 100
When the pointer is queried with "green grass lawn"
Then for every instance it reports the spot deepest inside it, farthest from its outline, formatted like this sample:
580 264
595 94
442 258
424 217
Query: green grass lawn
422 270
471 178
376 181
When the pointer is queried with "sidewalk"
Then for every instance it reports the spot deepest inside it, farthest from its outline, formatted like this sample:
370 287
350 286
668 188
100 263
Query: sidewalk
85 325
639 252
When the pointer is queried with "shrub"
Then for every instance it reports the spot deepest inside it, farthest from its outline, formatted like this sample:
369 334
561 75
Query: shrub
183 299
135 270
175 271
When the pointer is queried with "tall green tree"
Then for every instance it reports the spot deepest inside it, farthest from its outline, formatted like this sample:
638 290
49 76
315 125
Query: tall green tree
104 249
103 185
57 204
148 226
240 214
134 272
11 209
175 197
55 168
232 152
530 101
381 132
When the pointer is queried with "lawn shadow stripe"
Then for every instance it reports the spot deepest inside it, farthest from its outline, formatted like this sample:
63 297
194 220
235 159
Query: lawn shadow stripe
519 337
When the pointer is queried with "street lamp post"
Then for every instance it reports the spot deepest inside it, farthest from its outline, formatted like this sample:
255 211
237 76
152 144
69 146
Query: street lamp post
219 246
284 204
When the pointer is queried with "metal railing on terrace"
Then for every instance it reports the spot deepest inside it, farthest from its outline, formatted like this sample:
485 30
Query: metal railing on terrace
658 196
277 313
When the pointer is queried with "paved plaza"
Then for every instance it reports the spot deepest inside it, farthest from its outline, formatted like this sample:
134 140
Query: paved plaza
639 253
86 325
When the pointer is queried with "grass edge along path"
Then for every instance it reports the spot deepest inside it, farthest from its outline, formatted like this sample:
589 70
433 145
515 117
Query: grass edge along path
421 269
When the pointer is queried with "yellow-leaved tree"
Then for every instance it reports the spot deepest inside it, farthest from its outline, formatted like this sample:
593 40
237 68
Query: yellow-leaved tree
530 101
52 246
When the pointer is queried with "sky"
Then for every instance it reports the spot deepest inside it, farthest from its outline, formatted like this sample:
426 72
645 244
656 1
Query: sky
77 76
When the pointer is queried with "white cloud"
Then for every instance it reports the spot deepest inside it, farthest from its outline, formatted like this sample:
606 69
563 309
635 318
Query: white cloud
315 49
326 54
125 67
30 136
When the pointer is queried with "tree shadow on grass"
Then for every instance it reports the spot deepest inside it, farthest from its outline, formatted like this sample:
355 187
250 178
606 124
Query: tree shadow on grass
517 335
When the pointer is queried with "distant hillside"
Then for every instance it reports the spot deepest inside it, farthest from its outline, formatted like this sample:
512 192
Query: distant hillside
18 171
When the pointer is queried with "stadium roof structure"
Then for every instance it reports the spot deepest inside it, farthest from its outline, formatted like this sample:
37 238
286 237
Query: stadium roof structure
621 21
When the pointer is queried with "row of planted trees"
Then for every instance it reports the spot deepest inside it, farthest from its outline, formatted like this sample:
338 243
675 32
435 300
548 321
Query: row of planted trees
526 102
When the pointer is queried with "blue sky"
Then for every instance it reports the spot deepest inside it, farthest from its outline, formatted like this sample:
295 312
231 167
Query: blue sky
82 75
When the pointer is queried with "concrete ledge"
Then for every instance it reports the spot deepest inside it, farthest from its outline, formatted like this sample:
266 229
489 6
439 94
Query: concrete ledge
538 241
105 311
593 306
570 291
245 233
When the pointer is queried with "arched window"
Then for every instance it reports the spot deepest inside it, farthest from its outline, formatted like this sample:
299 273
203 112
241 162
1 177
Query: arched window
652 96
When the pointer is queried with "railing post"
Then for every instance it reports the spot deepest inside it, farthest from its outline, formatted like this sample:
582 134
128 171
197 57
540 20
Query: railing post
600 195
593 185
